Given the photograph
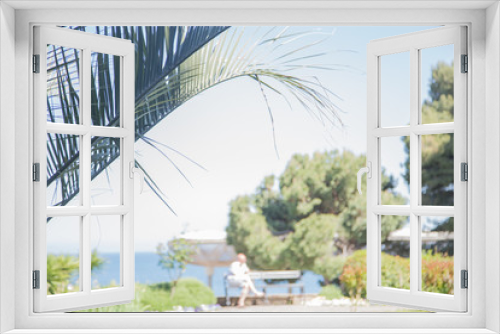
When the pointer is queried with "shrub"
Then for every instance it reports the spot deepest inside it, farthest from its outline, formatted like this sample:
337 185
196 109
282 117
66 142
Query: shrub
353 277
395 271
331 292
437 273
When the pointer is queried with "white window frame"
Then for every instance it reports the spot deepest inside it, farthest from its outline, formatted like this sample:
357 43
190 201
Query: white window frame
484 49
84 210
413 44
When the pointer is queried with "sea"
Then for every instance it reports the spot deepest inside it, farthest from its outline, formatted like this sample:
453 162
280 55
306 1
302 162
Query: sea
147 271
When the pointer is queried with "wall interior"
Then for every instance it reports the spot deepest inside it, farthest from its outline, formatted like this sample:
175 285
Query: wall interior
7 161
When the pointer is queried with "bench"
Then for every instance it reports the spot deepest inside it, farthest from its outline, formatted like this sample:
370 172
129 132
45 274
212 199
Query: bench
270 279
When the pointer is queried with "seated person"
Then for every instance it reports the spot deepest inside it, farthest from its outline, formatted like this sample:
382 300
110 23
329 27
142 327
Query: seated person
239 277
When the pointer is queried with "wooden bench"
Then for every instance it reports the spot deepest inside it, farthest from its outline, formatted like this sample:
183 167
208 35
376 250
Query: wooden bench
270 279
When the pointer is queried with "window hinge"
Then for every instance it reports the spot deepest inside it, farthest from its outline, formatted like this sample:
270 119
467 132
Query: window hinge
464 171
36 63
36 172
465 279
465 64
36 279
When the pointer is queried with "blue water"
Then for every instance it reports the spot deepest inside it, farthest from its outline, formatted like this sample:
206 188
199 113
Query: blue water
147 271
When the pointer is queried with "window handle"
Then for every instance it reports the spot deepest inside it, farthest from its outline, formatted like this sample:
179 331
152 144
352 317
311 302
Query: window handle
132 170
368 170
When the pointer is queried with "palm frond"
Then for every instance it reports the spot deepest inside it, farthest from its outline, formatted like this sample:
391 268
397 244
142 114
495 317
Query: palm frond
158 51
175 64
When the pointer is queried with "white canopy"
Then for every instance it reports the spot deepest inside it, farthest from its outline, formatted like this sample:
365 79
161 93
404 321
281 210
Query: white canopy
211 250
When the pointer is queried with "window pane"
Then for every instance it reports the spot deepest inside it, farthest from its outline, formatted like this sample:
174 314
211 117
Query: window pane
63 170
395 163
395 259
106 171
63 254
105 240
436 80
63 85
437 254
105 90
395 89
437 169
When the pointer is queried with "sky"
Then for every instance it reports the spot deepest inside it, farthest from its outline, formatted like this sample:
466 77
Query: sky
227 129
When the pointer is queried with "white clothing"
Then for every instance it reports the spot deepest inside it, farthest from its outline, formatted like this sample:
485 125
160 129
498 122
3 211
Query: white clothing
238 269
238 274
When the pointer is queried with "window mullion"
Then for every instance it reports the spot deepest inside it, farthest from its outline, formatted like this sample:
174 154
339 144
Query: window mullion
414 169
85 168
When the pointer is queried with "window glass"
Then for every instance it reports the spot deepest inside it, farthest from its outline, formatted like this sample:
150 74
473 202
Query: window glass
105 90
437 254
63 170
437 84
63 85
105 241
395 163
395 89
395 257
106 171
63 254
437 169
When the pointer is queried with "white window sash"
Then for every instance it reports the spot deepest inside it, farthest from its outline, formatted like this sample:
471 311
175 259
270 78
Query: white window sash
87 43
414 297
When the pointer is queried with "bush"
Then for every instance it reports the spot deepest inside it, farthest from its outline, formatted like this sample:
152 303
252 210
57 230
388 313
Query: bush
331 292
437 273
330 268
353 277
189 292
395 271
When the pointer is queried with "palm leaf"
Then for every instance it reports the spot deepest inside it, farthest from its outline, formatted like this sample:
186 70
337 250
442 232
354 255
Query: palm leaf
175 64
158 51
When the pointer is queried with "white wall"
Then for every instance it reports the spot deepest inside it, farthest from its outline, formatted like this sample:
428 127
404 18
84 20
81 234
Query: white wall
492 165
7 75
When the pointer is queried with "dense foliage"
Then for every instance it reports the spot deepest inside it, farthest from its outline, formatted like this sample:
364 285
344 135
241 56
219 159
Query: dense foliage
312 214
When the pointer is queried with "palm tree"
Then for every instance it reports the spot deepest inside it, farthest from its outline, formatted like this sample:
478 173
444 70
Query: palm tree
173 64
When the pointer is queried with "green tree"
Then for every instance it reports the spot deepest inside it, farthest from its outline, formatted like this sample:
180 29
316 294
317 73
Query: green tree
174 257
314 214
312 239
437 150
